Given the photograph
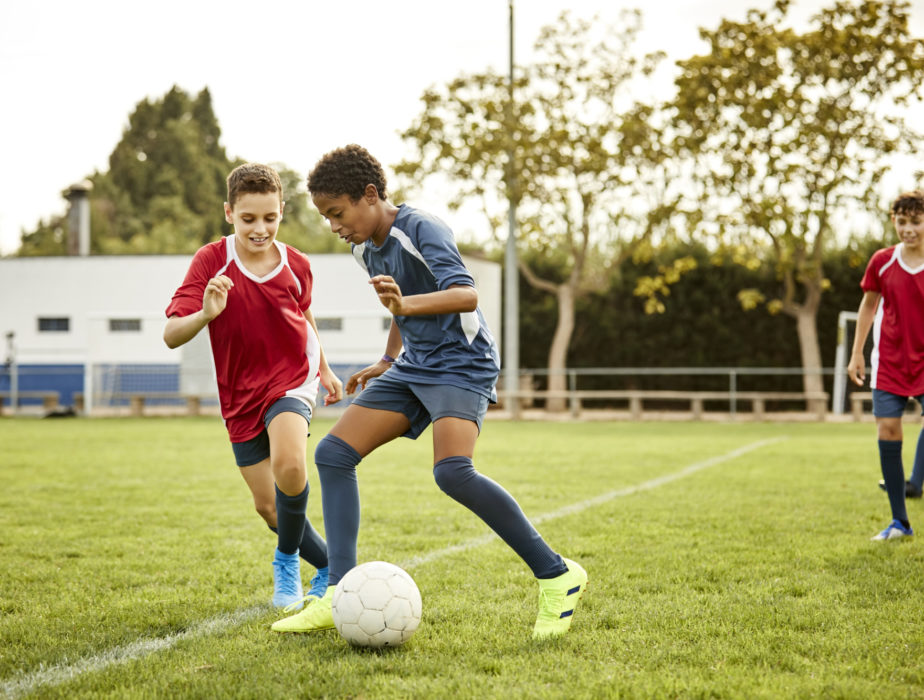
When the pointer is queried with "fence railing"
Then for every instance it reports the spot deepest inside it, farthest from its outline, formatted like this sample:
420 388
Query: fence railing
125 388
736 387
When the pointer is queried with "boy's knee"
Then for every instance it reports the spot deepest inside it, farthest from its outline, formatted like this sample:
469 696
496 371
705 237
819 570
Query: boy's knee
453 473
334 453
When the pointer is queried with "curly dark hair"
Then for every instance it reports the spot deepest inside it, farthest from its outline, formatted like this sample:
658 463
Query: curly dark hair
908 203
348 171
253 178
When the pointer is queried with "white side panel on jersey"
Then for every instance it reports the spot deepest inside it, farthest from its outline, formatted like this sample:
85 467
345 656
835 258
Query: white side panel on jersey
357 251
405 242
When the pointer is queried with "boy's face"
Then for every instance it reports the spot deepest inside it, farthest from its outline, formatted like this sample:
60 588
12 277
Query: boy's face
255 217
909 225
354 221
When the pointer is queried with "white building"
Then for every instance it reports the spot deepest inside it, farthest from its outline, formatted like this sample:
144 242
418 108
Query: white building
93 325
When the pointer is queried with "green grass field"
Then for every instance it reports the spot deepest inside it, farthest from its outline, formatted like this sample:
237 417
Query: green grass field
725 561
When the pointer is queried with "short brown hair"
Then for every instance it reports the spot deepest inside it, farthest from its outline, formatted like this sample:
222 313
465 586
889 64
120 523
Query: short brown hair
348 171
252 178
908 203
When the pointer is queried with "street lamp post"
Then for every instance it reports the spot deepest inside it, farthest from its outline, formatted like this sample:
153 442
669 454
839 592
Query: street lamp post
511 274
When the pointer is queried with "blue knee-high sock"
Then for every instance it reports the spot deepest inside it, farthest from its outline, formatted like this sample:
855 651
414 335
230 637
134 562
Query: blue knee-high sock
917 472
336 462
487 499
312 548
893 474
290 520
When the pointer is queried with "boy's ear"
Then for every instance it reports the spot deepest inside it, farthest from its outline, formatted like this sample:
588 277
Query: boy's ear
282 207
228 213
371 193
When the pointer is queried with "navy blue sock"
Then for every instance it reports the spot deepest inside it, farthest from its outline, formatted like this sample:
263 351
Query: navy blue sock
893 474
312 548
336 462
290 520
917 472
487 499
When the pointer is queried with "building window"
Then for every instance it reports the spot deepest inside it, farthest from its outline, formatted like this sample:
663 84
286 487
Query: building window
57 324
124 325
329 324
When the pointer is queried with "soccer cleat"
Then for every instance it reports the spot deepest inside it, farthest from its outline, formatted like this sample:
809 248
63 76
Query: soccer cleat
287 580
318 584
558 598
316 616
911 491
894 531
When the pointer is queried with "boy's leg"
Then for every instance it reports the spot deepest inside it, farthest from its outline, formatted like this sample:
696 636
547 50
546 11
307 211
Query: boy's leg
561 581
916 481
458 478
358 431
259 479
288 437
889 430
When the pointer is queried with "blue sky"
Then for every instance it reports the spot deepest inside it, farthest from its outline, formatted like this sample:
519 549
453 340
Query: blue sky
290 79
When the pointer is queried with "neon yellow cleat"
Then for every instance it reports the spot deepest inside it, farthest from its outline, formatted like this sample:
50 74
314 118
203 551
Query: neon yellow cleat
316 615
558 598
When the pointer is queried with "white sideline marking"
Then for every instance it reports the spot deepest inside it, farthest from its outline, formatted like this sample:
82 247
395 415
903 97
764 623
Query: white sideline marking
596 501
61 673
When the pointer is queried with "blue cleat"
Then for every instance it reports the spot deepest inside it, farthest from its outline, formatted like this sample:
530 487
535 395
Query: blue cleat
895 531
287 580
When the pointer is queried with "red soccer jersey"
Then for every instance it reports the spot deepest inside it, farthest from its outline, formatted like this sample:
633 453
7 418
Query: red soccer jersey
898 330
263 346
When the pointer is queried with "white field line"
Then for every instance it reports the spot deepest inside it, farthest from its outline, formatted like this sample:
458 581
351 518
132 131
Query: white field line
596 501
61 673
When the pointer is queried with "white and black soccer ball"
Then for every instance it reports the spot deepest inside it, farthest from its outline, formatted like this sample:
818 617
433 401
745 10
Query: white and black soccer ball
376 604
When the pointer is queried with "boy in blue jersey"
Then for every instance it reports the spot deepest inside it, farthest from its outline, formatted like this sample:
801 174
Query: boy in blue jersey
440 366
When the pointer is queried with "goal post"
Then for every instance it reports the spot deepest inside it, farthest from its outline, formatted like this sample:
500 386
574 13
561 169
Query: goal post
846 325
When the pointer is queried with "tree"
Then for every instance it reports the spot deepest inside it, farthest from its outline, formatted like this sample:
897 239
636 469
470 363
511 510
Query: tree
165 186
789 134
579 148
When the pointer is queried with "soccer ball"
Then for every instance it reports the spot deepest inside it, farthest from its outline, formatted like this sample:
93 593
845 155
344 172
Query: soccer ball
376 604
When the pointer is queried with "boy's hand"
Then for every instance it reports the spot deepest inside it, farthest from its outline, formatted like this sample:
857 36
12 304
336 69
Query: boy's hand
215 297
856 369
364 375
389 293
334 386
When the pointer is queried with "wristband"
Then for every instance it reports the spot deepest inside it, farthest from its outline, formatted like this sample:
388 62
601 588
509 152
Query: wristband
388 358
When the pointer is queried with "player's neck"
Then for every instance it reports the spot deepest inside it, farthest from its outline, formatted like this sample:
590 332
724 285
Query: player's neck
259 263
912 256
389 214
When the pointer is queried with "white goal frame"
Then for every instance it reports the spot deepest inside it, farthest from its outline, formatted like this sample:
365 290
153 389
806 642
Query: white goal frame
839 392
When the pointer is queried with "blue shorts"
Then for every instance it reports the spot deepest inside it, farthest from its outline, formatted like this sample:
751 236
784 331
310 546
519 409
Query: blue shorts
423 403
888 405
257 449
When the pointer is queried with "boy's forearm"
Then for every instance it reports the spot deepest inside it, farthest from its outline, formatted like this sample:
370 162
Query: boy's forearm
181 329
459 299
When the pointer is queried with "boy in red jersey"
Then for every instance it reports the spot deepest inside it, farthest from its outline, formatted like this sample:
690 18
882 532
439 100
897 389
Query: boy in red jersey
253 292
893 306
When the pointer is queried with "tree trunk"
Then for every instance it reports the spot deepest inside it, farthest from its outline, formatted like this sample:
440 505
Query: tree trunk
807 329
558 352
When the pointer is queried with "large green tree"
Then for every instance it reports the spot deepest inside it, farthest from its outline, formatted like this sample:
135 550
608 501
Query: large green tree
165 185
568 146
789 134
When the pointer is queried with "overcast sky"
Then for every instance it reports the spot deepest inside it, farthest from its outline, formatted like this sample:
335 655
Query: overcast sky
290 79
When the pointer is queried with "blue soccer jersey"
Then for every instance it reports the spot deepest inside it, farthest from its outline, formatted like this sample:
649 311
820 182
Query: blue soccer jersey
420 253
